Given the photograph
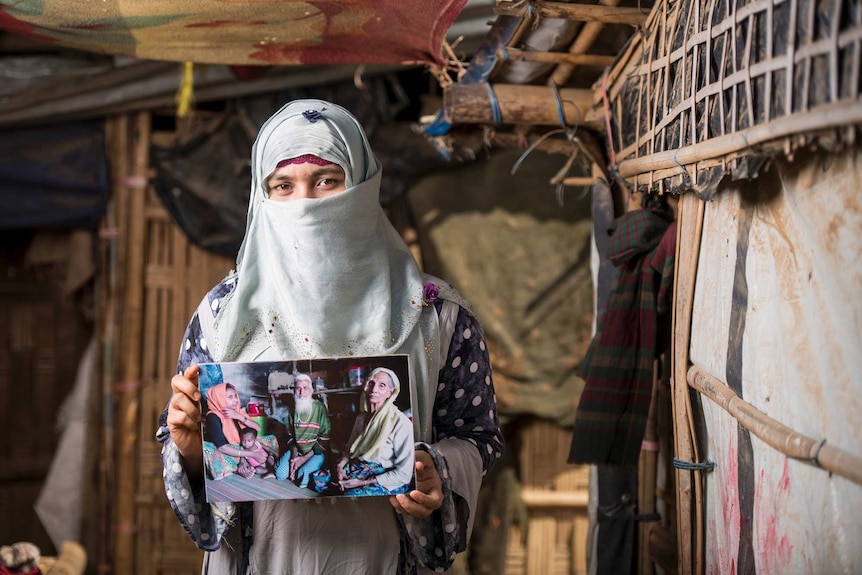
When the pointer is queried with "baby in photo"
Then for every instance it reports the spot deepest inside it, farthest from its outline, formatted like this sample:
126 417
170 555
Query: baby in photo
249 467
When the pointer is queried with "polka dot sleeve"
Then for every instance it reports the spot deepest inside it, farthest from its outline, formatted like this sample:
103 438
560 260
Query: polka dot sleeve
205 523
465 406
465 421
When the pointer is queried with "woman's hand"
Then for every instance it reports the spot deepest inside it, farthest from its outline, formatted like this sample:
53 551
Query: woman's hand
184 420
428 495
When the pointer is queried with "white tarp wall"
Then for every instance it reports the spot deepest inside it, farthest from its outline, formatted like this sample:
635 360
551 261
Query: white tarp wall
778 316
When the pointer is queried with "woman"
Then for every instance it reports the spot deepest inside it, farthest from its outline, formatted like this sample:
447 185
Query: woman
224 421
381 448
322 273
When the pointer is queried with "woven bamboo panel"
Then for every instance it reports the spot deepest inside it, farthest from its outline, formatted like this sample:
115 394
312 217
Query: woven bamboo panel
176 277
710 83
165 278
555 494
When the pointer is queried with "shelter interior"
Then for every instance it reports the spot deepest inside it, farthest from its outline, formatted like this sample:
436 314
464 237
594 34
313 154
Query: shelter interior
505 165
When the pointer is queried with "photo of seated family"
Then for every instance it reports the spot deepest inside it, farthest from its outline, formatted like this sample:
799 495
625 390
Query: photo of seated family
307 428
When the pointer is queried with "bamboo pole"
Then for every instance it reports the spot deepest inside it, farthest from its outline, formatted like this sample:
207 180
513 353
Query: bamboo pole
577 181
687 252
556 57
829 116
775 434
582 44
517 104
662 547
578 12
117 130
548 498
125 523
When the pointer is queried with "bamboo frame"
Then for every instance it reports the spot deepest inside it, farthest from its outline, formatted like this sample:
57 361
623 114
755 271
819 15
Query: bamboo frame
689 530
633 16
582 44
556 57
775 434
835 116
712 81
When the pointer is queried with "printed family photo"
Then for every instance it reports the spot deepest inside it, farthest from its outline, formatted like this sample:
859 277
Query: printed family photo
307 428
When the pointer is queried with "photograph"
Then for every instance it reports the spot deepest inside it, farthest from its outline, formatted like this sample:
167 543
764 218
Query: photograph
306 428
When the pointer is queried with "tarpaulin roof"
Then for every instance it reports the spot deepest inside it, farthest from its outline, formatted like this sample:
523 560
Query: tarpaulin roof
242 32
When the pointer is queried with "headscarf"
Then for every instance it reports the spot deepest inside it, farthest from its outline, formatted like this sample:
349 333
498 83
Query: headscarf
367 446
217 403
326 277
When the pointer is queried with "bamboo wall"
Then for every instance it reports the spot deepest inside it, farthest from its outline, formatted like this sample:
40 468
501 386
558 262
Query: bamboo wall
555 494
162 279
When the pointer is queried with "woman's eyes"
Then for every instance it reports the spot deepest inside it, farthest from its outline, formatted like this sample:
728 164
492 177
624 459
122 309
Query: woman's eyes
324 183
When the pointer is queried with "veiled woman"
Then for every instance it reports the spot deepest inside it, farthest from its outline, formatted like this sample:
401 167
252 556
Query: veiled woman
322 273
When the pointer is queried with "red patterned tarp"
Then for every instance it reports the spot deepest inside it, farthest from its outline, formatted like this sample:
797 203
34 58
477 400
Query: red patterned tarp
242 31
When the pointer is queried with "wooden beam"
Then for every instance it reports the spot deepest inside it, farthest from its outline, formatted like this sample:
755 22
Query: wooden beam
557 57
577 12
516 104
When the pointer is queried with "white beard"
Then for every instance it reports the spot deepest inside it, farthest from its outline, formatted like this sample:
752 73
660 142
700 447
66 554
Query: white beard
303 405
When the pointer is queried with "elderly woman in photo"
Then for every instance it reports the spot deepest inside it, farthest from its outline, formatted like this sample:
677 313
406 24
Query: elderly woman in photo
381 443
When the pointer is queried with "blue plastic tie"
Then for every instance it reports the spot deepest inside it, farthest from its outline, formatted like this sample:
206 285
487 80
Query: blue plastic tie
495 105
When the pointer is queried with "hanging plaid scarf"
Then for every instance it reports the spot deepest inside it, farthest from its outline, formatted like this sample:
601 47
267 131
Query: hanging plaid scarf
618 367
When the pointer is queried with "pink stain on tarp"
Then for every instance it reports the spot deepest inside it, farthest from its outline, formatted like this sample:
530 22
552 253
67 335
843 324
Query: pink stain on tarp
773 547
16 26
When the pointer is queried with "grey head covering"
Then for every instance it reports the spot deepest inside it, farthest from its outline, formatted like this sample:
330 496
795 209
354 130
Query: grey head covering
326 277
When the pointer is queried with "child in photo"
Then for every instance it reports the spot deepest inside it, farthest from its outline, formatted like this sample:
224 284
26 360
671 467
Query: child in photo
251 466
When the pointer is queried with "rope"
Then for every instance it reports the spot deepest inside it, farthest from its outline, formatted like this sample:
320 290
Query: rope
532 147
815 459
692 466
687 180
185 94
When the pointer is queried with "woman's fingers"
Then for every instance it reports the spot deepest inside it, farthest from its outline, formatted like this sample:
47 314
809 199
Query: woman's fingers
428 495
183 411
187 383
183 408
415 503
